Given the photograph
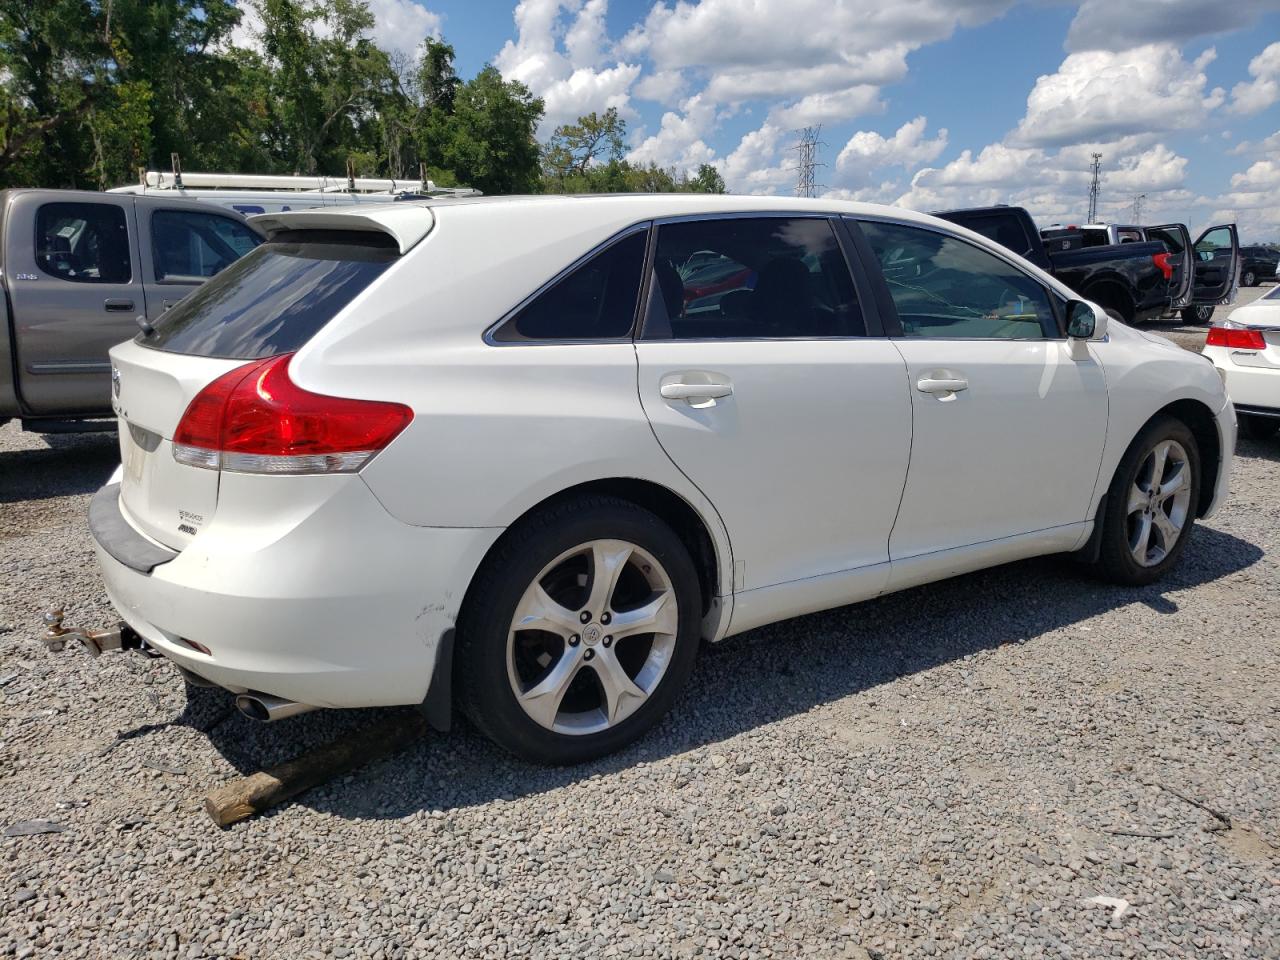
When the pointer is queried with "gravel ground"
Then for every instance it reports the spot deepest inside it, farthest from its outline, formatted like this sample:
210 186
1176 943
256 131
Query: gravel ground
955 771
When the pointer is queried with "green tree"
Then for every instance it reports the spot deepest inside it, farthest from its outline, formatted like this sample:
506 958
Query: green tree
576 151
488 140
707 180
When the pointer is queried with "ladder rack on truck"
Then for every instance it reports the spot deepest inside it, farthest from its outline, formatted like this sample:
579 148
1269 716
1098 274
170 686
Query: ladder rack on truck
250 194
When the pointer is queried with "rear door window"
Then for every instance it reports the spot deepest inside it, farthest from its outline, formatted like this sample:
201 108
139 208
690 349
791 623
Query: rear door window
187 245
83 242
743 278
276 298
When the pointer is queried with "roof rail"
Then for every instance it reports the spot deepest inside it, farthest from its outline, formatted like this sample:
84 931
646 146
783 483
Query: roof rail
158 179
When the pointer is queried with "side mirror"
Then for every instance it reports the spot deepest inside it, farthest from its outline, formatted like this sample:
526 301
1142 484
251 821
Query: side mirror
1084 322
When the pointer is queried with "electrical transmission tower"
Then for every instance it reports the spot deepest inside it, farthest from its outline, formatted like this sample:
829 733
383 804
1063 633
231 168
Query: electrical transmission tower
1093 188
807 148
1137 207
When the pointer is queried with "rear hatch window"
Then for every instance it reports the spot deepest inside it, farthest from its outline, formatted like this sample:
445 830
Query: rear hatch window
276 298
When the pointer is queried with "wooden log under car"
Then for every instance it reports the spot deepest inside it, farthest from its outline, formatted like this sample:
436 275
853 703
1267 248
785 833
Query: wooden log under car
244 797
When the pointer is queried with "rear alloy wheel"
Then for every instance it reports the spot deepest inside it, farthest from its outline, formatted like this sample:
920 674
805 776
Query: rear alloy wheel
1258 428
1250 279
579 633
1151 504
1200 313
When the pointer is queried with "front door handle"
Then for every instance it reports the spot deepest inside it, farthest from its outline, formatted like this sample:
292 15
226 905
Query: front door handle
941 385
117 306
696 391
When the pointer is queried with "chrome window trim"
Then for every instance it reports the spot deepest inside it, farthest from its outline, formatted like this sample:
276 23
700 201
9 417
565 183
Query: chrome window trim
490 332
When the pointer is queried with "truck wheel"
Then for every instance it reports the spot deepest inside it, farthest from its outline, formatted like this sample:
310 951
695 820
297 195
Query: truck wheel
1200 313
1259 428
1250 279
1151 504
578 632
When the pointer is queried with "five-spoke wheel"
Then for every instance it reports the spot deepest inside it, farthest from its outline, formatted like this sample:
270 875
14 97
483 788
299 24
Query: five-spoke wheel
578 631
1159 502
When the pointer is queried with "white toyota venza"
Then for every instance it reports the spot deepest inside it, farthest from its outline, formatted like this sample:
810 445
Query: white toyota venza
522 455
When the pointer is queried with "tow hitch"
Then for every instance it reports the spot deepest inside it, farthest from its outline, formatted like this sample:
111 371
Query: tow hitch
96 642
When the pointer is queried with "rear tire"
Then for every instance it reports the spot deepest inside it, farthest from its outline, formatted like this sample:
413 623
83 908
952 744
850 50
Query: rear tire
1250 279
1198 314
1259 428
1151 504
560 689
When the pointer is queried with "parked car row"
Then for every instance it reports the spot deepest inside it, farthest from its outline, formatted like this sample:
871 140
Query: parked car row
1137 274
523 456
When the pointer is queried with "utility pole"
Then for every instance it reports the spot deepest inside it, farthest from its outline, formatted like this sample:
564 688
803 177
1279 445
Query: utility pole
1137 207
1093 188
808 163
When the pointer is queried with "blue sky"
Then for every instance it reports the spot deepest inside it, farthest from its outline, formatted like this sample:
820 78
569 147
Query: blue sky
927 103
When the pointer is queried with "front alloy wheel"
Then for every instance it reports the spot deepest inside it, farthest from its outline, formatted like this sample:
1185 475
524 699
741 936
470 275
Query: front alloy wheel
1159 503
1151 504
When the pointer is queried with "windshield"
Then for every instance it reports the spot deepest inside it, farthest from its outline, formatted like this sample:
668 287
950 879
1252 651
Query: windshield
275 299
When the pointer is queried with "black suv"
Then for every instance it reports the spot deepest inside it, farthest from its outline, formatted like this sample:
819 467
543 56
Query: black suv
1257 264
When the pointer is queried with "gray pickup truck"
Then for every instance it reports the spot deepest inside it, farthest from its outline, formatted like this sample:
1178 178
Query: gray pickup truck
79 272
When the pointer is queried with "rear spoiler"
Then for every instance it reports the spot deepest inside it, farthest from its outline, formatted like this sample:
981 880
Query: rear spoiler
406 223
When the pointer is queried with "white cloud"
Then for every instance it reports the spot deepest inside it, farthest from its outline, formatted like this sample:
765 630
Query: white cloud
752 166
838 107
1268 145
572 82
399 26
1263 90
1251 201
679 142
1101 95
1054 185
665 86
1122 24
908 147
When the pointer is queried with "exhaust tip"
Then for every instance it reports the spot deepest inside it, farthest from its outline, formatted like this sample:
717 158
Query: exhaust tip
253 708
265 708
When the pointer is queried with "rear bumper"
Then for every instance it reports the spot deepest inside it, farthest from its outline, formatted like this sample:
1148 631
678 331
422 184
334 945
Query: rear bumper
313 593
1248 386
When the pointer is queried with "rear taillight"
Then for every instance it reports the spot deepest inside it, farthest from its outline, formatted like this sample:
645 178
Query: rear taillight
1235 338
1163 261
254 419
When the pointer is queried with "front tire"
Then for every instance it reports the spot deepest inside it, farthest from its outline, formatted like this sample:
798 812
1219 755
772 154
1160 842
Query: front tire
579 631
1151 504
1250 279
1258 428
1201 313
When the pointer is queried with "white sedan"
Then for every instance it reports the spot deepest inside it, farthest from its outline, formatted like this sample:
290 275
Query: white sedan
521 455
1246 349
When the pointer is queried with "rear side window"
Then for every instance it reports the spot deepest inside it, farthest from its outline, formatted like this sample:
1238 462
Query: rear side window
275 299
595 301
741 278
83 242
187 245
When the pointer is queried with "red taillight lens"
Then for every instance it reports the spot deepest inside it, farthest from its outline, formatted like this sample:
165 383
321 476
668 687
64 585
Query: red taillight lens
1162 260
1235 338
255 419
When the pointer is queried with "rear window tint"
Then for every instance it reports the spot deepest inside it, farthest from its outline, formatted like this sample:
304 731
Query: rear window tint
273 300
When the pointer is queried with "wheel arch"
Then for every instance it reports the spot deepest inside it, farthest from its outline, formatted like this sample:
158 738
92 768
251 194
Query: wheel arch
1107 292
1202 423
709 558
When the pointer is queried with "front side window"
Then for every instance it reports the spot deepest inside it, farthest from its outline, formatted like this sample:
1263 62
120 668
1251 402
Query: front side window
946 287
190 246
83 242
594 301
1214 245
746 277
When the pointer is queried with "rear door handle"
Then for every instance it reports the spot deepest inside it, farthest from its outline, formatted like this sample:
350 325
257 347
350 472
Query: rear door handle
938 385
118 306
696 391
